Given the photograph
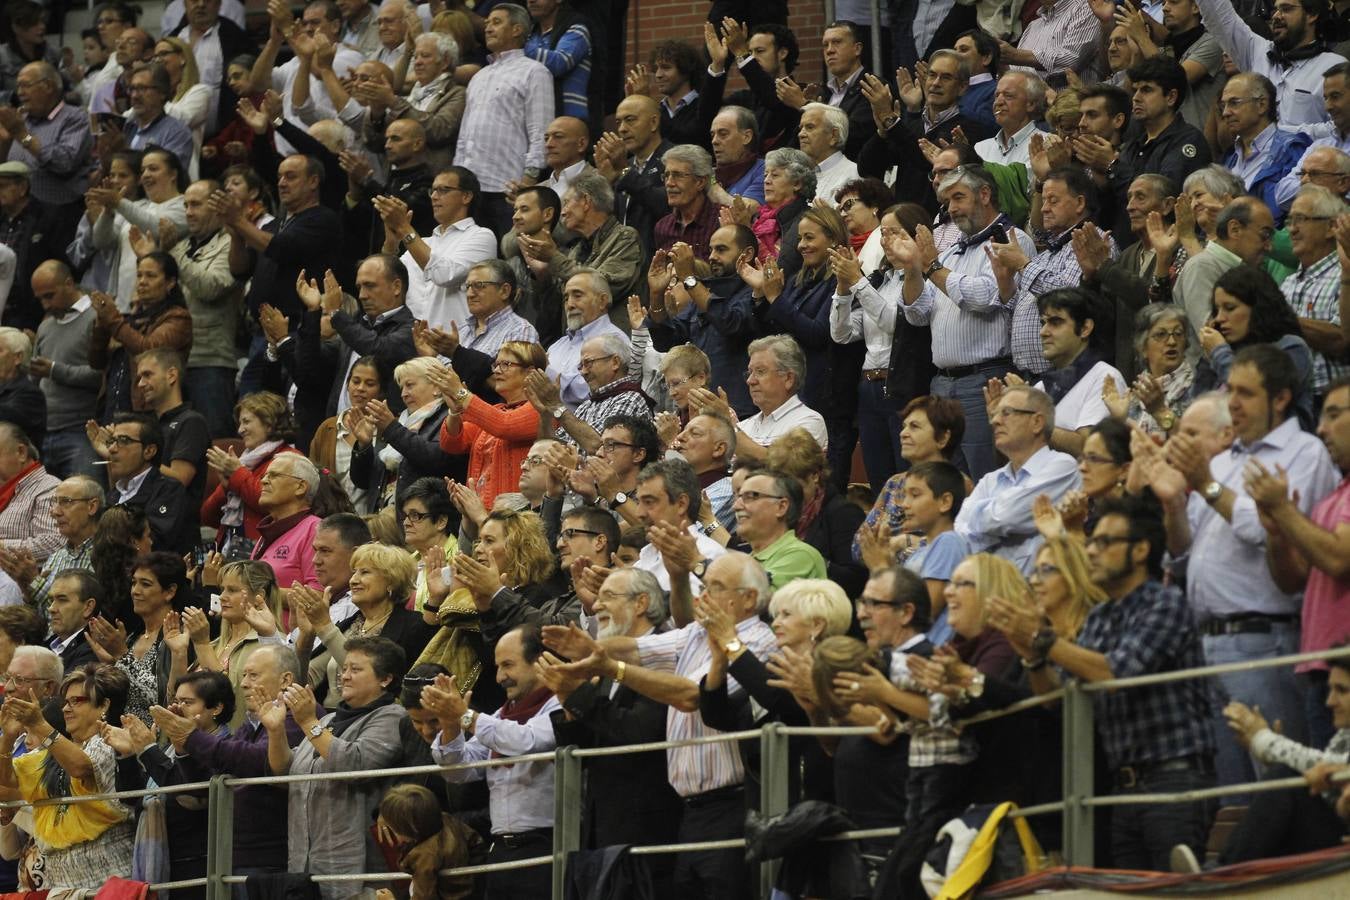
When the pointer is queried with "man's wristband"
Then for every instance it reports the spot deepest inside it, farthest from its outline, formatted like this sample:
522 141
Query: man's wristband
620 669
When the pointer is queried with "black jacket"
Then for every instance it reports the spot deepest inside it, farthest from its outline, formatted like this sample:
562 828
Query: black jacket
832 534
22 403
233 42
389 341
411 185
640 197
173 523
422 456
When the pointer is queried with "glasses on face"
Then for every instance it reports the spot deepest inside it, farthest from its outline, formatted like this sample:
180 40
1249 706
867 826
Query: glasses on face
585 363
1302 173
74 701
1044 571
273 476
1235 102
27 85
752 496
1267 233
417 518
22 681
869 603
1005 412
568 533
675 384
676 176
124 440
1105 541
1301 219
1096 459
759 373
611 446
501 365
476 286
162 54
848 204
530 462
1162 337
440 190
70 501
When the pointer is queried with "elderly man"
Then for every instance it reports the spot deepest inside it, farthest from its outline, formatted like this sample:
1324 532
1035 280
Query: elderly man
604 367
668 668
668 499
1019 101
1262 152
507 111
132 47
31 233
603 245
391 25
134 444
48 136
1242 234
520 797
26 522
693 216
22 402
1063 37
149 125
75 507
214 297
1330 170
822 135
565 143
492 321
996 517
629 800
767 507
439 263
956 293
735 135
708 444
630 159
1314 290
586 297
286 531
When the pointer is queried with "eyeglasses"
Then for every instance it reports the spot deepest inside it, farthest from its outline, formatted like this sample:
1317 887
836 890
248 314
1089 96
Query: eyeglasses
612 596
165 54
475 286
74 701
1235 102
585 363
272 476
412 515
752 496
124 440
611 446
1302 173
1301 219
676 176
849 204
1007 411
869 603
1107 540
440 190
674 384
28 85
1043 571
1096 459
70 501
759 373
530 462
1162 337
568 533
501 365
23 681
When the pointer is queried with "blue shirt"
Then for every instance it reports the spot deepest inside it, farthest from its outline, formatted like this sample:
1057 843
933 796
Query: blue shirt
570 65
751 184
935 561
996 517
166 132
564 358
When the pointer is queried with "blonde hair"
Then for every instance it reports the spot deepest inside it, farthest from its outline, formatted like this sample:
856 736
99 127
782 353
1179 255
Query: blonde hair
257 577
418 367
270 409
815 599
398 566
189 77
529 559
457 24
797 454
384 527
688 359
996 577
527 353
1071 560
834 655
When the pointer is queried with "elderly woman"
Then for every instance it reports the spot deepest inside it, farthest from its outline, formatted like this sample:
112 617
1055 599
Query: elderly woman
410 448
684 368
804 612
1163 390
436 100
81 843
267 428
789 185
1249 309
162 180
828 520
158 318
799 304
383 578
336 437
191 101
861 203
496 436
329 821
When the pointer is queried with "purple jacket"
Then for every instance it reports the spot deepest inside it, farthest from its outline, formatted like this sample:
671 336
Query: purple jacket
259 811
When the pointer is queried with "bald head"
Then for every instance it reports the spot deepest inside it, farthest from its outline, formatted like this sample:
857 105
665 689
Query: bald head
565 142
405 143
54 287
638 123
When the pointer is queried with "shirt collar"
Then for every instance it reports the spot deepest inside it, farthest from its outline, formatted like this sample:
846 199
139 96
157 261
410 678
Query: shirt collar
463 224
472 322
78 307
128 487
505 54
980 79
1021 137
1223 253
1259 144
1030 467
586 331
950 112
571 171
1277 439
842 86
680 104
1319 268
831 161
788 406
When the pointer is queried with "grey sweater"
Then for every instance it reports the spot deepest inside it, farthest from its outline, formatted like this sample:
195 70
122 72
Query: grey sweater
72 388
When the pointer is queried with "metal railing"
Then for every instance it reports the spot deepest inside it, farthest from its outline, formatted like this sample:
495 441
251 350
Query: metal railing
1075 808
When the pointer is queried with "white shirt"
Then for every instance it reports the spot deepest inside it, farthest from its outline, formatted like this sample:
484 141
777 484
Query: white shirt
176 10
873 319
559 182
765 428
127 488
836 171
436 293
1082 406
210 59
650 560
1007 151
283 81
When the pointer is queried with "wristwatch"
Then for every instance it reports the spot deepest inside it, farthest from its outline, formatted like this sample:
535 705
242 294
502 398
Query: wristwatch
709 528
932 267
466 720
1043 641
460 394
619 499
700 569
733 646
690 283
316 729
559 412
976 688
890 121
408 238
1212 491
1166 420
533 172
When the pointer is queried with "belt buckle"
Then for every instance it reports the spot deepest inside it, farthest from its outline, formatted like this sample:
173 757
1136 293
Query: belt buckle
1127 778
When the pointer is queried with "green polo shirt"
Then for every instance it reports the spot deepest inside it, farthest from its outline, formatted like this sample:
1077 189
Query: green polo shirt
789 558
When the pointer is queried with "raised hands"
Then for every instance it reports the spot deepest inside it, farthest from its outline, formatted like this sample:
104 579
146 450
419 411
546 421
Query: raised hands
845 267
329 299
275 325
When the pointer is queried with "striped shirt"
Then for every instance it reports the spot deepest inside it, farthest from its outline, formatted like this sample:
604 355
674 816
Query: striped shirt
684 652
26 522
569 62
1315 293
502 326
1064 37
969 321
506 112
1053 268
65 557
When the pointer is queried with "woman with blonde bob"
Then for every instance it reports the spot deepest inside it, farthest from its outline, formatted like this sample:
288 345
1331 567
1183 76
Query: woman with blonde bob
805 612
409 449
191 101
383 578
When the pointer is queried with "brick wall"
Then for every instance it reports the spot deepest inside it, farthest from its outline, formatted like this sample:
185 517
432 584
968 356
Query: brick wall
651 21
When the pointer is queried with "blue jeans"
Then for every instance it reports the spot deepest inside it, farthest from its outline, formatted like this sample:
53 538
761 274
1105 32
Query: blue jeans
1142 837
1278 692
68 452
211 390
879 431
977 446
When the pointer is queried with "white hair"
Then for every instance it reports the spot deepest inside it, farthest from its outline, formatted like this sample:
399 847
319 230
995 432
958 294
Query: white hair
835 118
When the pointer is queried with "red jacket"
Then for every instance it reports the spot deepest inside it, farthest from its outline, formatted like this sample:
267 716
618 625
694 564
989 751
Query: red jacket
247 483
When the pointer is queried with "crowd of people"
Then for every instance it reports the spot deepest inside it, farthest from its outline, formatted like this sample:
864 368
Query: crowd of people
412 384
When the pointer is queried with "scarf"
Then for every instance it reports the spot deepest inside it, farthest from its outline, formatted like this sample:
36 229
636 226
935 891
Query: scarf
1287 59
233 512
413 421
8 489
1059 382
421 95
810 509
622 386
522 710
856 241
767 231
730 173
345 716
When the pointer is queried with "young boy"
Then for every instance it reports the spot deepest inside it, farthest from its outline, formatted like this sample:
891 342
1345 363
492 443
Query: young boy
932 497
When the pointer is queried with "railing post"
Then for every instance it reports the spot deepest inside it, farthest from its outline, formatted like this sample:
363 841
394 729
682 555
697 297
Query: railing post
874 25
774 763
1078 782
219 837
566 814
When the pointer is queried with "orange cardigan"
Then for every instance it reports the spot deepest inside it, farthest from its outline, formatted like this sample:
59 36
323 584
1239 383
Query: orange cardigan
497 438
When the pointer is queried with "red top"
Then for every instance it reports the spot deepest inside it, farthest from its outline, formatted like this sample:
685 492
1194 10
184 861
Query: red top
497 438
247 483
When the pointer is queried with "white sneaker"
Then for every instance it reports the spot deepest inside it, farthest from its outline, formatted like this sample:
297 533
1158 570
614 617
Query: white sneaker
1184 861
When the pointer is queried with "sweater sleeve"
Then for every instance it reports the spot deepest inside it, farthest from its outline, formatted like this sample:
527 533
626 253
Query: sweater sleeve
517 424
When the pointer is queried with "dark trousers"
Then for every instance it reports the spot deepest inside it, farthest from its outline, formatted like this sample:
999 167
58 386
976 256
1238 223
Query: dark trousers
520 884
1320 725
879 431
1142 837
712 874
494 213
211 390
936 795
1282 823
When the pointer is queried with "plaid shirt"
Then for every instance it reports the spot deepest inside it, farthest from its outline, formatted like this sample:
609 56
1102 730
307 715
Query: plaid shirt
611 400
26 522
1053 268
669 229
1315 293
935 742
65 557
508 106
1150 630
502 326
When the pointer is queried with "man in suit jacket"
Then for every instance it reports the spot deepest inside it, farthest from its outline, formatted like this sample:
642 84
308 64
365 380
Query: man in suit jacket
75 598
384 331
133 469
629 799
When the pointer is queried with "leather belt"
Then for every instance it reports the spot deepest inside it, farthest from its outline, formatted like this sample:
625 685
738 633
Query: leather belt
1247 623
522 838
876 374
1128 777
963 371
716 795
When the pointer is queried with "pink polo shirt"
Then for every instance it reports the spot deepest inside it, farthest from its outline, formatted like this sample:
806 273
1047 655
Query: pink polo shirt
1326 601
